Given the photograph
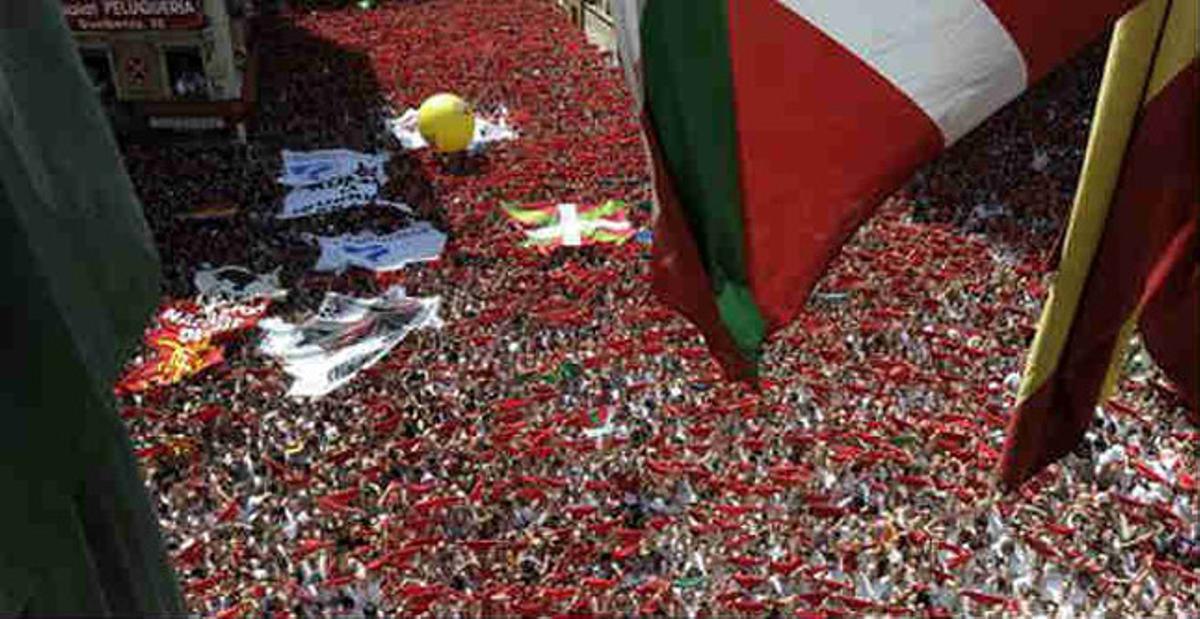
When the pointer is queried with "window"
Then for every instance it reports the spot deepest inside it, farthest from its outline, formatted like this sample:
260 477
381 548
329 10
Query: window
185 72
99 70
235 8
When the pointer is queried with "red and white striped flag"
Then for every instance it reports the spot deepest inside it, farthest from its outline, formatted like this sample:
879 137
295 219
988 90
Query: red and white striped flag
777 126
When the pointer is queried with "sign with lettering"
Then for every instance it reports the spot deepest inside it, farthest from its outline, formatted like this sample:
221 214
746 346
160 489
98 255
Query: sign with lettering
133 14
187 123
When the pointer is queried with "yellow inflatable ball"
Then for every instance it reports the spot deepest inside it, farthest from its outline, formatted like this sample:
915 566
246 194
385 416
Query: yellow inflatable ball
446 122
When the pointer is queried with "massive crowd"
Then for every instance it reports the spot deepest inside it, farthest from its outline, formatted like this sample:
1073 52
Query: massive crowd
566 446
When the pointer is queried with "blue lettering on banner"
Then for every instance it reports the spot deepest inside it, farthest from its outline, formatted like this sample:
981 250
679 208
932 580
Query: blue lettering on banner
373 252
311 171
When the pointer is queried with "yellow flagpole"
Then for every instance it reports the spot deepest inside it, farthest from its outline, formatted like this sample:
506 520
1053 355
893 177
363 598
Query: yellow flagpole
1177 47
1126 74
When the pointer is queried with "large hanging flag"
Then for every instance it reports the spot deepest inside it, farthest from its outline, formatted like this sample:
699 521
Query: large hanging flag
777 126
80 277
1130 255
549 226
347 335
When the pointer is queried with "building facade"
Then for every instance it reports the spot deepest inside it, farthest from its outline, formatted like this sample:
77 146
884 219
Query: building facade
168 64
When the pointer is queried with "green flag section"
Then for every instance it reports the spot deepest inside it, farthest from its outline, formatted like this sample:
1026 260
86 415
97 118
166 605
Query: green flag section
777 126
78 536
698 261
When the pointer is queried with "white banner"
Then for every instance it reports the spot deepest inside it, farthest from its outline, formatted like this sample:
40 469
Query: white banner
302 168
417 243
304 201
346 336
486 130
331 180
235 283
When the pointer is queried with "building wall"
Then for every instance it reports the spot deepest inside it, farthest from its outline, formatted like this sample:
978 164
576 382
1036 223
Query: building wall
137 62
217 50
138 58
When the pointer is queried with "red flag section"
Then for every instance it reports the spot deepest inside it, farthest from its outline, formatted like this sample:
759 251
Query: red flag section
815 112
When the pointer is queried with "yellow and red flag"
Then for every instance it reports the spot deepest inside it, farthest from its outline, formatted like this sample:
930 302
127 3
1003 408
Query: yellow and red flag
1130 256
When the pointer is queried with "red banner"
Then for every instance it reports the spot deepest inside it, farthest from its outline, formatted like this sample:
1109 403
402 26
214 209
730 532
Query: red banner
133 14
186 339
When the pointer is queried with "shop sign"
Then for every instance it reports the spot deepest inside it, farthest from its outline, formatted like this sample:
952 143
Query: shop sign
133 14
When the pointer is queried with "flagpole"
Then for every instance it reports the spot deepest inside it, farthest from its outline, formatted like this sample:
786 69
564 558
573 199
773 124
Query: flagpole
1126 75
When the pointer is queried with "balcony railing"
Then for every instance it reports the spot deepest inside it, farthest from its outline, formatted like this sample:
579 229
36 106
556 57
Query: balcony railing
594 17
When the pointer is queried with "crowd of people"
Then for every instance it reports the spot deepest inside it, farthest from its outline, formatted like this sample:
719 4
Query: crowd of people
566 446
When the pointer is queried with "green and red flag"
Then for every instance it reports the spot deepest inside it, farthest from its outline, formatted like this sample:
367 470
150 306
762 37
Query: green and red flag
777 126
